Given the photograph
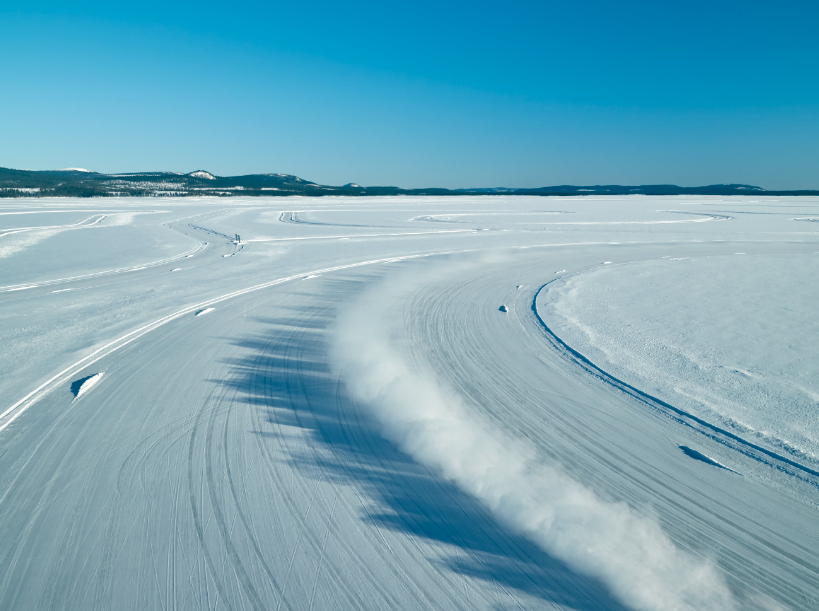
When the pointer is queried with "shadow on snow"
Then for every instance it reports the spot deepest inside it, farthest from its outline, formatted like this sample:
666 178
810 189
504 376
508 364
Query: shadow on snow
289 361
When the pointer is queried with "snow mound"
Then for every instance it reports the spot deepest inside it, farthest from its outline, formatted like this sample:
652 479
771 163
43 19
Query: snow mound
83 385
205 311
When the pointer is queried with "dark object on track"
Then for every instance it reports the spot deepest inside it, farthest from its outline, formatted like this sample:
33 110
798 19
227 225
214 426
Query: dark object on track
503 308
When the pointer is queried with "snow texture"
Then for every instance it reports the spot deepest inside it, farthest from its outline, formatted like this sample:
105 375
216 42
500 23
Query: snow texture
638 430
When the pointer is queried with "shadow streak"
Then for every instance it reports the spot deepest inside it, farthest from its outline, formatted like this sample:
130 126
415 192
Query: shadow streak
287 379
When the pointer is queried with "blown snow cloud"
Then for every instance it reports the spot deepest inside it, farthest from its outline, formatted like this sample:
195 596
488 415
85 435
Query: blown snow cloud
610 541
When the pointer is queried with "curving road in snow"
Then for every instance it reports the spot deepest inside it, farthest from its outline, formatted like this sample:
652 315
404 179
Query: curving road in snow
356 424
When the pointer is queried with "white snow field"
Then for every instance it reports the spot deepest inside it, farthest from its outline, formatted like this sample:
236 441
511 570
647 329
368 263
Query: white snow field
358 424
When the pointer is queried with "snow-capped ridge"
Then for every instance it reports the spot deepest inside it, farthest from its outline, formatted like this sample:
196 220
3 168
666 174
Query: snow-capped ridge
77 170
202 174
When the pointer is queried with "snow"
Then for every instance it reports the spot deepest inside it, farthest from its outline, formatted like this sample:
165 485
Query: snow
699 333
80 387
202 174
76 170
635 435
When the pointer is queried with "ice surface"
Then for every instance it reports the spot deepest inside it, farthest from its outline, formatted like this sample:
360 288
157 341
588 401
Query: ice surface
635 435
730 338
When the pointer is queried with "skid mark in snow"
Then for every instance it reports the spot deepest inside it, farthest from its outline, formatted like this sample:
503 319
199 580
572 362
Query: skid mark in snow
716 433
16 410
83 385
707 218
116 219
363 235
91 220
109 272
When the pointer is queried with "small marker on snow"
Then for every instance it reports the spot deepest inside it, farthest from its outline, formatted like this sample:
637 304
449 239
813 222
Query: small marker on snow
503 308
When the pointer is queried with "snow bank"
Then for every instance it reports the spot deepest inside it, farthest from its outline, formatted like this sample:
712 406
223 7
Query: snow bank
609 541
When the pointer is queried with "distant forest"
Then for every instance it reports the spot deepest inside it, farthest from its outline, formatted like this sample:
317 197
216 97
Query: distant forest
79 183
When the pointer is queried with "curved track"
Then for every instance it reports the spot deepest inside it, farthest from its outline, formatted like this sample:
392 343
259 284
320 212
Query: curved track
222 461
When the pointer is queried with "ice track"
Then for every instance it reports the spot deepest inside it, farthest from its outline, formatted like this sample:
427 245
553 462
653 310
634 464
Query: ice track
224 461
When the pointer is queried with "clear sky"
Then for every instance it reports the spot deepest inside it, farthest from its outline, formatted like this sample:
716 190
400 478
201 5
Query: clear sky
449 94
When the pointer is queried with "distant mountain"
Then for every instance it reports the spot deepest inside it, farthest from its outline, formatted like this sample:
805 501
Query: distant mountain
79 182
202 174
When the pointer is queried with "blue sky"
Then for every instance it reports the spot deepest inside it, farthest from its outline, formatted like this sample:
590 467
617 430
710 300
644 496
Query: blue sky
460 94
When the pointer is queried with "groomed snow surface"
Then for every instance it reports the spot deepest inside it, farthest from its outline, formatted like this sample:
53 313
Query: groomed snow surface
595 403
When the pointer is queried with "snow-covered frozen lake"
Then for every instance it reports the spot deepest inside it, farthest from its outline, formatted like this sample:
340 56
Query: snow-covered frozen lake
410 403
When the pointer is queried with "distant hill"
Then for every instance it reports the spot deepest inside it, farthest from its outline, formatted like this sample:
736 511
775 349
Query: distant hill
78 182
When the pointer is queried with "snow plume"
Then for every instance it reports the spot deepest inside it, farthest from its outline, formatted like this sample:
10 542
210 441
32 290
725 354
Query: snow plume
610 541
